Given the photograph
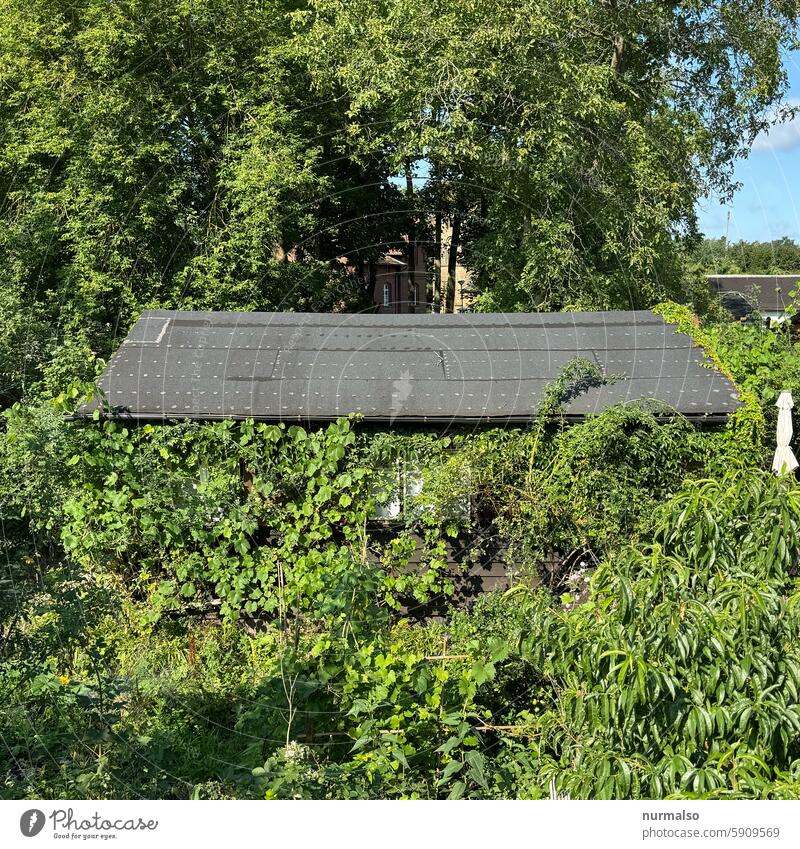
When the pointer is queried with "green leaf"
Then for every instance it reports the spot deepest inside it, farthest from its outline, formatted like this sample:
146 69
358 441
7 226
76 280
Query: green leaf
482 671
449 745
453 767
458 790
476 768
399 756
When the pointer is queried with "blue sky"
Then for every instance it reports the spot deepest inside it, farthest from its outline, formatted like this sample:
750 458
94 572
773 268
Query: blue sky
767 205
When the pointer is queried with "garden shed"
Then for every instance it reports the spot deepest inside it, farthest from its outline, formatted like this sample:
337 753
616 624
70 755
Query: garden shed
771 295
402 372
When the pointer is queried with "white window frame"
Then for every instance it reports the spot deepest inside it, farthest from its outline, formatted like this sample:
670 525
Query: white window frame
408 484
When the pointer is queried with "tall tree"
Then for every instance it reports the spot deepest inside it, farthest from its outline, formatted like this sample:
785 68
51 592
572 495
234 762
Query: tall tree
582 133
167 154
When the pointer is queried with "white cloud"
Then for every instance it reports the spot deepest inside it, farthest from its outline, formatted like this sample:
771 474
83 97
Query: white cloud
785 136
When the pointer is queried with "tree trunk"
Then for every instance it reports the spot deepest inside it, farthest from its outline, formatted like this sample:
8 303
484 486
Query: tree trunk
376 300
412 237
363 280
436 284
452 260
618 56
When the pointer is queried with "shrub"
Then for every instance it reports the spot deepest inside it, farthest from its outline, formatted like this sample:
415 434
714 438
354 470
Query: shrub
681 676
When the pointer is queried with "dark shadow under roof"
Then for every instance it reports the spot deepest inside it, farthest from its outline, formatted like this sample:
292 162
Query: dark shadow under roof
764 292
399 368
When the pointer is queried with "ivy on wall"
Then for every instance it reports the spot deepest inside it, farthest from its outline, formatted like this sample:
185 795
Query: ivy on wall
265 520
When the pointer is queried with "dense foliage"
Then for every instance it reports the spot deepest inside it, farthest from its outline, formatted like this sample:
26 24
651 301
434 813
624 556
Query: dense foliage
215 610
264 519
220 154
570 140
677 676
718 256
205 613
689 682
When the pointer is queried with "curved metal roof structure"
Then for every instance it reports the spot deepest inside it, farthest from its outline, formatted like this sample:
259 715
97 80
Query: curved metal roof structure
491 368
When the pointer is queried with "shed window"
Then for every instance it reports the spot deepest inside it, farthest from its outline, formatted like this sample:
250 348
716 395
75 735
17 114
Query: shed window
387 294
399 487
396 492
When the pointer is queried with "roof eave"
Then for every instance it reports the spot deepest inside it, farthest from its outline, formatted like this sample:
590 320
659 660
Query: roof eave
440 421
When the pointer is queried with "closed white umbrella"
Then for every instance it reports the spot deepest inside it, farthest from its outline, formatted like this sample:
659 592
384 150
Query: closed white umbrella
784 460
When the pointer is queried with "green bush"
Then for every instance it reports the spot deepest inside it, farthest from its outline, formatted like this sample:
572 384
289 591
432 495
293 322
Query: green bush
680 677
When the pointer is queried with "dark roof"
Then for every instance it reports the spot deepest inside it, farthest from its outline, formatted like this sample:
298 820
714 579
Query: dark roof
765 292
398 368
388 259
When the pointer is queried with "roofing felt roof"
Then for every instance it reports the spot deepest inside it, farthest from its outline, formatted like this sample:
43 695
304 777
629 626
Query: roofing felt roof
398 368
766 292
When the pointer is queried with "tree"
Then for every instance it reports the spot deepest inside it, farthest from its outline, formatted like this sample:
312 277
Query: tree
680 675
582 134
718 256
165 155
